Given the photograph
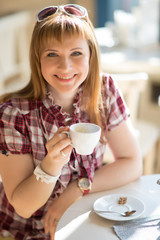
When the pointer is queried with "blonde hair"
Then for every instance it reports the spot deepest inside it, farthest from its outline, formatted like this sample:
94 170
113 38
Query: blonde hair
55 26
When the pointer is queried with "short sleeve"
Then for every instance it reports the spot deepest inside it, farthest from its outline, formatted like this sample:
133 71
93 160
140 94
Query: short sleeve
14 137
114 104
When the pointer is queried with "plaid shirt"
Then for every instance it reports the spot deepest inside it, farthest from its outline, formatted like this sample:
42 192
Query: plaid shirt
26 126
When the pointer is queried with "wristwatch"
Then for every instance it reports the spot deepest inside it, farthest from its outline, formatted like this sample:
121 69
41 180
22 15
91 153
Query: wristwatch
85 185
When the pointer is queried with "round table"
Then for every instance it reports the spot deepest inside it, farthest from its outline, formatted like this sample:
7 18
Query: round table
80 222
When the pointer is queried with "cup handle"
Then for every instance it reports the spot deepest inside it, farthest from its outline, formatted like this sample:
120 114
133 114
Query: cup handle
68 134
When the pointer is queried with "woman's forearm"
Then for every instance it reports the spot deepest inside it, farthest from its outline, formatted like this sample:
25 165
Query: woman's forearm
116 174
30 195
127 166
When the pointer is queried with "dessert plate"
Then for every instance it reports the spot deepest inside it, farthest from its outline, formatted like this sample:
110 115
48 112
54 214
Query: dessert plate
110 203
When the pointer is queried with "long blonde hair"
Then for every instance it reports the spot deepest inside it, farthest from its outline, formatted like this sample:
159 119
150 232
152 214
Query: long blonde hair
56 26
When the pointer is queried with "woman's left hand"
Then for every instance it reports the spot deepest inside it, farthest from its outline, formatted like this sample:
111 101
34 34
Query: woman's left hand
59 206
52 217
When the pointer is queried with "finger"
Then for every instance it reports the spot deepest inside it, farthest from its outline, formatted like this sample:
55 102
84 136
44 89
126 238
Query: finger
45 220
53 228
57 143
56 136
61 129
63 145
63 132
66 152
50 226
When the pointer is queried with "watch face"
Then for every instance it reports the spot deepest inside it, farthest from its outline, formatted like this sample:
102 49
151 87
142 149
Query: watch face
84 183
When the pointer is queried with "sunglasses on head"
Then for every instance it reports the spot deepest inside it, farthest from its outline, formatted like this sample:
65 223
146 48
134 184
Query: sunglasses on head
69 9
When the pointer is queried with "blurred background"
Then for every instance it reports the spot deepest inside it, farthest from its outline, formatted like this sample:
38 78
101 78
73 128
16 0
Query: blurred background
128 32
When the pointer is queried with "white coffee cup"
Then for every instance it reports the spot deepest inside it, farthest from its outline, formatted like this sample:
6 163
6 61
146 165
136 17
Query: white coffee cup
85 137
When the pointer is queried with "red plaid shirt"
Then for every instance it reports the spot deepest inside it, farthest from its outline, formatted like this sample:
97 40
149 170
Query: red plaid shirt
26 126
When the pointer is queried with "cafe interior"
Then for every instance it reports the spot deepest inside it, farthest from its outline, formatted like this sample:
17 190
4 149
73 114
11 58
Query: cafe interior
128 32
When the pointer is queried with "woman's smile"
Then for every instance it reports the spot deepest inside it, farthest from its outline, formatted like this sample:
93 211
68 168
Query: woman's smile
65 78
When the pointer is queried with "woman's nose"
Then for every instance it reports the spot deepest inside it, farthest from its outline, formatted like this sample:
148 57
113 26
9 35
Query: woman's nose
65 63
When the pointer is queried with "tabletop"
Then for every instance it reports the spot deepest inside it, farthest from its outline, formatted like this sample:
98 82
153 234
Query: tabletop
80 222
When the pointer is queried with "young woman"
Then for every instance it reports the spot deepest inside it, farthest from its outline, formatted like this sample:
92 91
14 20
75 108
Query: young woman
42 174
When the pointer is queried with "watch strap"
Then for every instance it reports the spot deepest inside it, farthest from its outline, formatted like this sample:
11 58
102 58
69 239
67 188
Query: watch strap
85 192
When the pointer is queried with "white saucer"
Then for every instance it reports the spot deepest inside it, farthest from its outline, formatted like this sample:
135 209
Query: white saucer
110 202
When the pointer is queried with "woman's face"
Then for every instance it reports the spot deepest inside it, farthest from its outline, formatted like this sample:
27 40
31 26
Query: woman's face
65 64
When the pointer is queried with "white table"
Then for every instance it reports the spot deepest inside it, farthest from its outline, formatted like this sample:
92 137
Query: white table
80 223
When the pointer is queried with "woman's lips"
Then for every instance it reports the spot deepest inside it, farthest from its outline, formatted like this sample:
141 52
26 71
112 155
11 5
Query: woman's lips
65 78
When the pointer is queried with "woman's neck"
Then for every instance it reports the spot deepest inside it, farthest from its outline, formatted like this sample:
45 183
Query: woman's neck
64 100
67 105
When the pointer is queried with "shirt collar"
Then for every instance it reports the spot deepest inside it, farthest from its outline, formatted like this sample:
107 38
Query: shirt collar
49 101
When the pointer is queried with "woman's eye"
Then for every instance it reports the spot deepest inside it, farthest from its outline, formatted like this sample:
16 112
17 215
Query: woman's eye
76 53
52 54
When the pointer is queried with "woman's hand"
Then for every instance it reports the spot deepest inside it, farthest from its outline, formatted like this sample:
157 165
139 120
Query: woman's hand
59 205
59 149
52 217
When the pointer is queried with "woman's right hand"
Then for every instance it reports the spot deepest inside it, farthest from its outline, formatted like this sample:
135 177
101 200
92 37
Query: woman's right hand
58 152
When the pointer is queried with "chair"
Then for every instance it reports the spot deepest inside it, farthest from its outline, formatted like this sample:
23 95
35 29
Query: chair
148 134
